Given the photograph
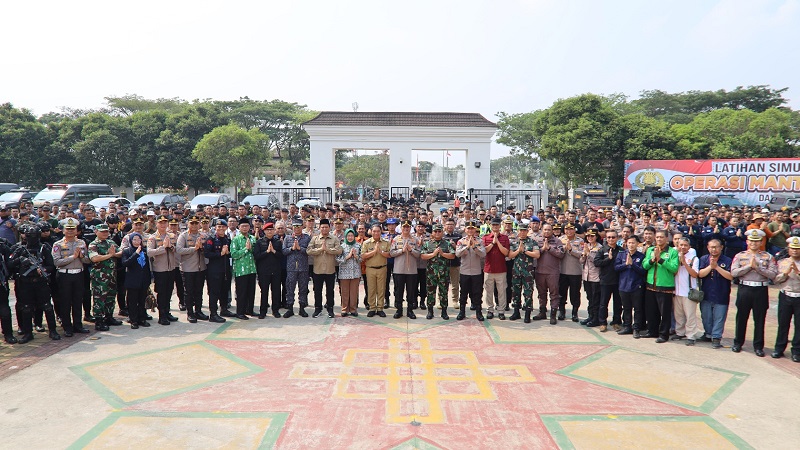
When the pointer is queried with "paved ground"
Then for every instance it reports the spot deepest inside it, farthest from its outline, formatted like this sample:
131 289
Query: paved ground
365 383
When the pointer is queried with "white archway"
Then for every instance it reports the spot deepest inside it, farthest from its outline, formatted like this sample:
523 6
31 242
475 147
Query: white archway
400 133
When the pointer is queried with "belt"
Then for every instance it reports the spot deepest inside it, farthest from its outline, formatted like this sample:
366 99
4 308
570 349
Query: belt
754 283
376 267
70 271
791 294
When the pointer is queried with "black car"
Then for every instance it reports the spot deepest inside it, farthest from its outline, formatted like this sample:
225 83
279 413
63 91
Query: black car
161 199
712 201
13 198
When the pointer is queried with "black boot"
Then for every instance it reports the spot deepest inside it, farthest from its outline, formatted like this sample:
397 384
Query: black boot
330 312
430 312
399 313
527 316
100 323
302 312
516 315
479 315
444 314
216 318
540 316
553 319
25 338
461 313
410 313
112 321
10 339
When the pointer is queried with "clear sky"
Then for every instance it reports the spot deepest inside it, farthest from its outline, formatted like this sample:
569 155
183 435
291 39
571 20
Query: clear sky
465 56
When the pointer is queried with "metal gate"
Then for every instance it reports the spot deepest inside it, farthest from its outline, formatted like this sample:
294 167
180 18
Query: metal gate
288 195
502 198
400 192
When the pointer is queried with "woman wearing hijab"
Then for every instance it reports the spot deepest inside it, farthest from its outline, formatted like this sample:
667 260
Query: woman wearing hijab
350 273
137 279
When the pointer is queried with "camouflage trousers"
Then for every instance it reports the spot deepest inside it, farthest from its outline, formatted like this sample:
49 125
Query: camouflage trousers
104 293
522 284
437 280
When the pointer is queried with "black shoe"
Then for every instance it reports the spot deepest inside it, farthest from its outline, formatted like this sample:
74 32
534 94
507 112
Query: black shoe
660 340
288 313
215 318
479 315
100 326
540 316
164 321
444 314
10 339
716 343
226 313
592 324
171 318
430 313
123 312
88 318
316 314
471 308
303 312
144 323
676 337
625 330
112 321
501 316
381 313
516 315
574 317
371 314
242 317
355 314
410 314
776 355
562 315
636 334
181 307
704 338
553 319
81 330
585 321
508 308
489 315
796 358
201 315
461 313
191 318
736 348
148 317
398 314
262 316
345 314
57 337
276 314
330 313
527 316
68 333
251 314
760 353
25 338
689 342
39 328
134 326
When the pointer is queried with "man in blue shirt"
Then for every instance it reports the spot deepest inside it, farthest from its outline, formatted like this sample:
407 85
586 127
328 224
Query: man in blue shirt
7 226
715 270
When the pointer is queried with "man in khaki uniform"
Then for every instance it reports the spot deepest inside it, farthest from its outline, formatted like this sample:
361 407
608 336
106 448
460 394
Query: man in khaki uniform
374 253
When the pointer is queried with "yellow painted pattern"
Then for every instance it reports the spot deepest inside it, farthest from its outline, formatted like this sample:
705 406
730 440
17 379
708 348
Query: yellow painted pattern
688 384
159 372
413 378
182 432
656 435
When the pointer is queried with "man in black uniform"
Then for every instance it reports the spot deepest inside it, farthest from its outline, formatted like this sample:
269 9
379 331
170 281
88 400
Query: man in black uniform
5 310
217 250
32 263
268 253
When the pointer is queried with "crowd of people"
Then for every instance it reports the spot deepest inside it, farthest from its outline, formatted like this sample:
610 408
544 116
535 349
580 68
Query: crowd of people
644 271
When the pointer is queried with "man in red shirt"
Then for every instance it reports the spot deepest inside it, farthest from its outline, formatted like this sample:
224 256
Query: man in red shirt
497 245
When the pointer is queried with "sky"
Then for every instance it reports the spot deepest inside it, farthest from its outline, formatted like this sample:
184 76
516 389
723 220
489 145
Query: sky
461 56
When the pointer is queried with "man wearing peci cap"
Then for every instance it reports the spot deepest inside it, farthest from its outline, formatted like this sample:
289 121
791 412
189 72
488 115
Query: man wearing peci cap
497 247
297 273
269 266
754 268
216 250
244 270
189 250
324 247
789 300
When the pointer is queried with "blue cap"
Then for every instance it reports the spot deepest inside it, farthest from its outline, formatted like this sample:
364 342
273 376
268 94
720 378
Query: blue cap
391 220
535 219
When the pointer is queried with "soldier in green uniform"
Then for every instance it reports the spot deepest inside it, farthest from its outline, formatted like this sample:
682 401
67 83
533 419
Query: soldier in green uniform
524 252
102 252
437 252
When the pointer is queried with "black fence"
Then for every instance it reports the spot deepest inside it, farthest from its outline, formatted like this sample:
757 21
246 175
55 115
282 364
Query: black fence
288 195
519 198
400 192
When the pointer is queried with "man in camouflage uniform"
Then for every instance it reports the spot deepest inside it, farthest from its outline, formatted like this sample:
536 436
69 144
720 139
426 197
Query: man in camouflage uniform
437 252
102 252
524 252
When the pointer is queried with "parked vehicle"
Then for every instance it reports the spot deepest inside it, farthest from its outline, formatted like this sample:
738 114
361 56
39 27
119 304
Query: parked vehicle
71 194
711 201
313 202
5 187
209 199
160 199
102 202
13 198
269 201
779 201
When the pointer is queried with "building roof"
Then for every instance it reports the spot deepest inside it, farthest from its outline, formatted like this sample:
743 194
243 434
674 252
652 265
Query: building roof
400 119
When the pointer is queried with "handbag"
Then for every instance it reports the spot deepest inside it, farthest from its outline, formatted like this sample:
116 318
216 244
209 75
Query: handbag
695 294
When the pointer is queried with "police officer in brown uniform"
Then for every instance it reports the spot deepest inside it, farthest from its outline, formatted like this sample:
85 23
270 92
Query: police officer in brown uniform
754 268
789 300
70 254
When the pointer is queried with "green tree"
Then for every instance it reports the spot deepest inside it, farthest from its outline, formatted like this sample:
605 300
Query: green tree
648 138
366 170
25 155
130 104
515 169
231 154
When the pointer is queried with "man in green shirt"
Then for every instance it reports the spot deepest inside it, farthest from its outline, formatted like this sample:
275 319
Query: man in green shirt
244 269
661 263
